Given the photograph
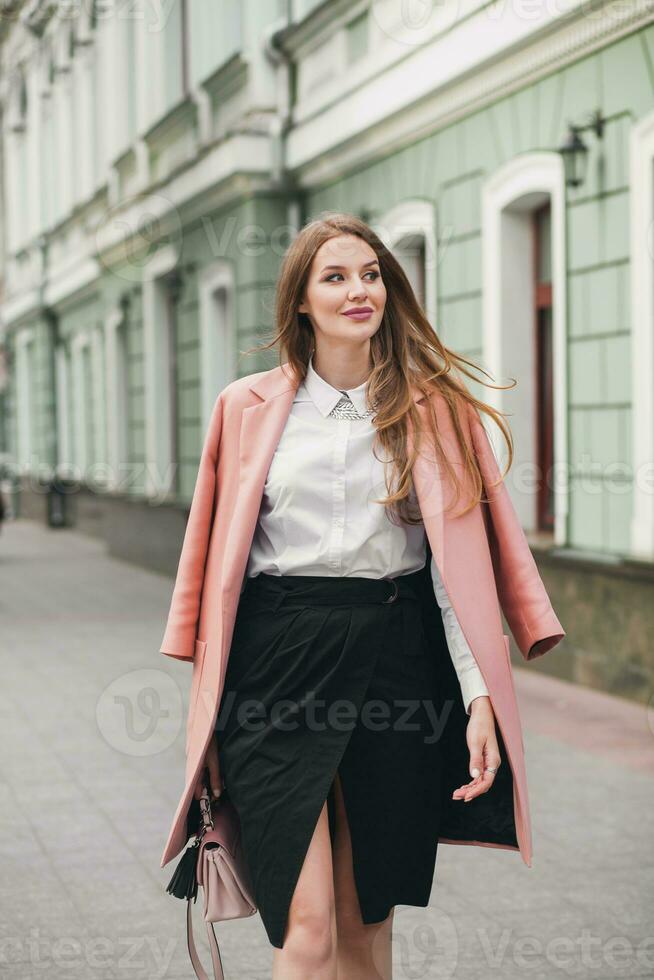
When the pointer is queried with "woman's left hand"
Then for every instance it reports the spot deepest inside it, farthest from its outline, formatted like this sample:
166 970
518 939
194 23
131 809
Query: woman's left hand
482 743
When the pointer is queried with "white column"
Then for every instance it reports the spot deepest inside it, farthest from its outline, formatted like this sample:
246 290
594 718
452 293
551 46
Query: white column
217 361
99 405
642 332
116 383
15 228
156 356
62 381
80 408
67 165
33 138
111 96
84 145
24 401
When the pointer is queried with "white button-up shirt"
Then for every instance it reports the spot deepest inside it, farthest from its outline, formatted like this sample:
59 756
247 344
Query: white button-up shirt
318 515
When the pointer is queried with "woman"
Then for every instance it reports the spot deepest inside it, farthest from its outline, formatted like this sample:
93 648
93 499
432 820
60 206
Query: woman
316 590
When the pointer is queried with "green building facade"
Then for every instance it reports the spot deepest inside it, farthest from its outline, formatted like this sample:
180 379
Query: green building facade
156 167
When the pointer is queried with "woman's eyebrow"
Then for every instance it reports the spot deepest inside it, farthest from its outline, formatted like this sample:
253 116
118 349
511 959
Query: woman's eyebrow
372 262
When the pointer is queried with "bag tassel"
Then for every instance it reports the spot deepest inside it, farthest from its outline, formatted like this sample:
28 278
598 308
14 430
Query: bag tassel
184 882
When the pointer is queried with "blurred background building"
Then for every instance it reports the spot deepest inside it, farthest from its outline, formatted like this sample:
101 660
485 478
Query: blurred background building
158 157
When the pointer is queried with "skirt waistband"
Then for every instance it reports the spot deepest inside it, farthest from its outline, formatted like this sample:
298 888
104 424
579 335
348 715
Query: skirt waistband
332 589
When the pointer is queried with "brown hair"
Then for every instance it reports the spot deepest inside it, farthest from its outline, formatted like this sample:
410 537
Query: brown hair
405 352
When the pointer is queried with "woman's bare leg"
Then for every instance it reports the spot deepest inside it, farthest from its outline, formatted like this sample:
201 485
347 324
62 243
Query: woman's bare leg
364 951
309 948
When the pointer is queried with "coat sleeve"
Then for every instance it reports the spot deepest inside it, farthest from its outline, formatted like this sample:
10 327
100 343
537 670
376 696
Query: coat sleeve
181 627
521 591
471 680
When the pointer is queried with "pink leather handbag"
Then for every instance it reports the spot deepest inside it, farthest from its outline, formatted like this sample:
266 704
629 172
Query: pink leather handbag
215 861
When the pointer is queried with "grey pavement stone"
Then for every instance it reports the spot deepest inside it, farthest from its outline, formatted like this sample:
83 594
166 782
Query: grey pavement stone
93 738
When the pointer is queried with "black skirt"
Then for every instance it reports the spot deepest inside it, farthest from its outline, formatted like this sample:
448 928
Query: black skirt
325 674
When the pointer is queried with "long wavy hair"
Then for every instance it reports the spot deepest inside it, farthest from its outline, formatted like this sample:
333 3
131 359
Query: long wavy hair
405 352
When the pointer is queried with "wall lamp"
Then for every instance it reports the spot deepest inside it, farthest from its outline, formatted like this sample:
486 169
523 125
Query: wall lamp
575 152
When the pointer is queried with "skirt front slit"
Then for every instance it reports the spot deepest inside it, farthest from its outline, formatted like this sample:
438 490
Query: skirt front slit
324 676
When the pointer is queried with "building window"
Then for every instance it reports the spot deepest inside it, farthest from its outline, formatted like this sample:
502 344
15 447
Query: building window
409 230
171 287
410 253
523 333
161 288
544 367
217 331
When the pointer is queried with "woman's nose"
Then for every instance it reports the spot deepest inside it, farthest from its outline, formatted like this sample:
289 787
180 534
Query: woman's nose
357 290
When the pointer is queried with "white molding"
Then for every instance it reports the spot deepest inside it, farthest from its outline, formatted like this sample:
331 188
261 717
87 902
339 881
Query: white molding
641 148
414 217
508 198
217 340
232 157
159 475
480 59
198 190
66 282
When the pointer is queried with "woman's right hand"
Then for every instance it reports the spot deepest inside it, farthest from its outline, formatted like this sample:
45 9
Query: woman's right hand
211 763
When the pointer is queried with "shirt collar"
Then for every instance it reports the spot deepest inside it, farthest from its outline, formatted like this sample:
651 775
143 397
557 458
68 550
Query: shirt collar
325 397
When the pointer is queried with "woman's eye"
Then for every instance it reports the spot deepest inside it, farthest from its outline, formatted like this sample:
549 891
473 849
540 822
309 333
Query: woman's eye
371 273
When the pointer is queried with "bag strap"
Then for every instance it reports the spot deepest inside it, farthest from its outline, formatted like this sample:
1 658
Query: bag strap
213 947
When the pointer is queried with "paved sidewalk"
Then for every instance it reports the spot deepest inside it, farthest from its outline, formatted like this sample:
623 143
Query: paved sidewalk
92 768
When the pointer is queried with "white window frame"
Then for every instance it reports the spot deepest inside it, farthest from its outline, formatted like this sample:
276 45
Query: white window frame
79 344
404 220
159 475
217 353
641 147
25 338
507 195
63 373
116 382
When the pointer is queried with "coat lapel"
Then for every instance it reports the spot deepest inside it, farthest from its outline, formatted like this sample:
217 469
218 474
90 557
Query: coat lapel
261 428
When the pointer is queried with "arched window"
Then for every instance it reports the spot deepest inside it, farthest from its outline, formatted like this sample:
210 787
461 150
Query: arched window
524 330
217 334
409 230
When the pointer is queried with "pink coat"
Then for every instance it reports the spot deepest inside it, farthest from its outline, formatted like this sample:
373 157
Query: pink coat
483 558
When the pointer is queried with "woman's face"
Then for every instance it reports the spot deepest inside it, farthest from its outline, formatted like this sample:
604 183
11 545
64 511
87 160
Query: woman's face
344 277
